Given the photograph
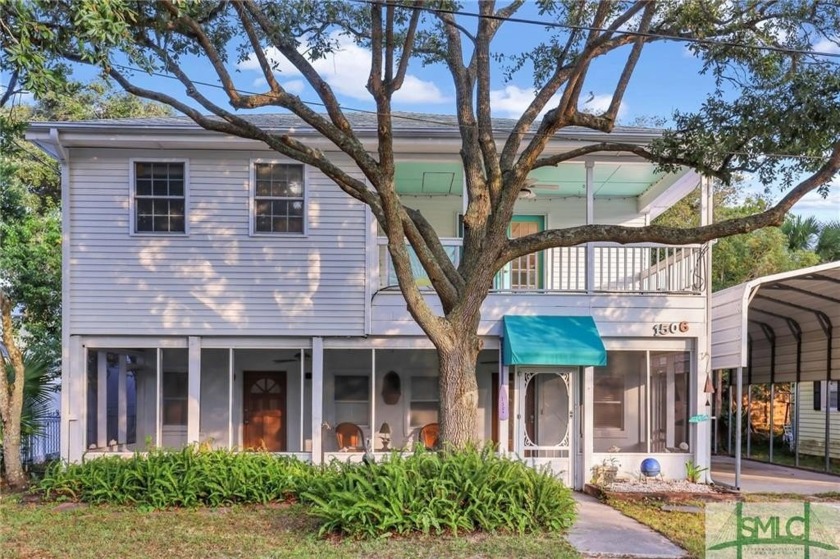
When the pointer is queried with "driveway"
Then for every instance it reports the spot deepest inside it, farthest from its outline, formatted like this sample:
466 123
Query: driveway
761 477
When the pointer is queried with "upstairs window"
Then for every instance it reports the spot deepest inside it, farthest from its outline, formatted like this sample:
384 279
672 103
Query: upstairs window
279 201
159 197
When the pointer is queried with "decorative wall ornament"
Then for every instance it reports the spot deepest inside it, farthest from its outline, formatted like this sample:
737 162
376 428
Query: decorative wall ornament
391 389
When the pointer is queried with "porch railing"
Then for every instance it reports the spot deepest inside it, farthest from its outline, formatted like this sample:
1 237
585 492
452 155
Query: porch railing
598 267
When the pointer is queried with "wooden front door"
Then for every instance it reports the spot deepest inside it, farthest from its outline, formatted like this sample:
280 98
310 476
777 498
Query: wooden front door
264 410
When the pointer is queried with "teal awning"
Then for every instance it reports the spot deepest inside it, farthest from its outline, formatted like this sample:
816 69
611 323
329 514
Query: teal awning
552 340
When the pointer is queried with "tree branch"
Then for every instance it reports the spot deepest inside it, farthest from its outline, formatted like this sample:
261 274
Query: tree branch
10 88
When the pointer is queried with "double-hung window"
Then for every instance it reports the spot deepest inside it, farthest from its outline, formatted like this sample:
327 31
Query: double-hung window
159 194
279 198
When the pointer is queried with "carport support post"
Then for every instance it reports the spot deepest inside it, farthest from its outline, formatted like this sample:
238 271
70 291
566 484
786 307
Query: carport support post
729 412
749 419
729 403
772 423
739 396
796 423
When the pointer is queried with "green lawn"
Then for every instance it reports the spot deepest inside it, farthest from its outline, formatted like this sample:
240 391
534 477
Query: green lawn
688 530
41 531
782 455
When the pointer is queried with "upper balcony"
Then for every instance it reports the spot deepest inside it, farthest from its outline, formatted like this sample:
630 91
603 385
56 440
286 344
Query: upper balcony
592 268
619 190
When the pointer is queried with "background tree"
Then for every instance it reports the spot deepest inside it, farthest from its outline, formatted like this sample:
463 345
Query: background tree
30 252
828 241
800 231
773 100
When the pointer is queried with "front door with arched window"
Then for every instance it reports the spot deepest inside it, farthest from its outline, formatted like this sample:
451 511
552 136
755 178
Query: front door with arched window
264 410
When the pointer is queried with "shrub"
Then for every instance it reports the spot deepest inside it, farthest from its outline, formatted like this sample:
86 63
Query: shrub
437 492
184 478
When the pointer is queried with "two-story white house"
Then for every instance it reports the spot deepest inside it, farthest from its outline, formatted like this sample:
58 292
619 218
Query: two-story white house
215 292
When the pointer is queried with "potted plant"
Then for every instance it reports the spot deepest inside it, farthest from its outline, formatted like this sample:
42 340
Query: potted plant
606 472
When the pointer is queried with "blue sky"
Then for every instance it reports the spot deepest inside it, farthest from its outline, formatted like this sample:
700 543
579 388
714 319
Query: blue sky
667 78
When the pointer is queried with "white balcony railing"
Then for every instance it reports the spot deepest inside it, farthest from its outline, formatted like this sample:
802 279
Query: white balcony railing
637 268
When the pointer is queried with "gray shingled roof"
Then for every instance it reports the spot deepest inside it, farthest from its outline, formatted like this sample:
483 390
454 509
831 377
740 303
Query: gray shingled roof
360 121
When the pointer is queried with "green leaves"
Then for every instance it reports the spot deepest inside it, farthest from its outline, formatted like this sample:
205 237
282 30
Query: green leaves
434 493
423 492
186 478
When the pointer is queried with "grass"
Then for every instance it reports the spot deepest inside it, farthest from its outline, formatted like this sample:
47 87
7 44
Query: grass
760 450
43 531
686 529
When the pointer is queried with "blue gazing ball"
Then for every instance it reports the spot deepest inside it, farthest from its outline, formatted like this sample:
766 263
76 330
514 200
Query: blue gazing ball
650 467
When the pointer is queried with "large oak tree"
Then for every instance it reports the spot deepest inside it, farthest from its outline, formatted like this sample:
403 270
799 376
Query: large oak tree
773 98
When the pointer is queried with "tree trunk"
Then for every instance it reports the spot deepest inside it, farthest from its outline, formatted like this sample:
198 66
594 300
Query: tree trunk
11 398
15 476
459 389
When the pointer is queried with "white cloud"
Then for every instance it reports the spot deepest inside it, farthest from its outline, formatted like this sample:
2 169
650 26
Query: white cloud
513 100
824 209
347 70
828 45
292 86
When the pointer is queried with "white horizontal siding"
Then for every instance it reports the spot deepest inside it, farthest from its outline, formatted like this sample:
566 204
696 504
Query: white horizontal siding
217 279
615 315
812 425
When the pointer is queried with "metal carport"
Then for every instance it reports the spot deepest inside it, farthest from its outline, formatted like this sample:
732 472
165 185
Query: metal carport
782 329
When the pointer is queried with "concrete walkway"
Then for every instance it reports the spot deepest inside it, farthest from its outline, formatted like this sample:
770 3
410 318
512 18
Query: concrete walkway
602 531
761 477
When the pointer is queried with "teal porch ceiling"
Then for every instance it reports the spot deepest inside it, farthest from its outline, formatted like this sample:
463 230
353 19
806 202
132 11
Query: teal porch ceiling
611 179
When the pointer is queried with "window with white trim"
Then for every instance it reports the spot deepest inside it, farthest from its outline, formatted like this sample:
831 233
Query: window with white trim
159 197
826 392
279 203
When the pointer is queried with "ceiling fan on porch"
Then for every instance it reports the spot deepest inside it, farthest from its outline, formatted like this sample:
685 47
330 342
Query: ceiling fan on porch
297 357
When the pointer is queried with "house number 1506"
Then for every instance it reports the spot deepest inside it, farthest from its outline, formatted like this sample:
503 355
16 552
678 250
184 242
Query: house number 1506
666 328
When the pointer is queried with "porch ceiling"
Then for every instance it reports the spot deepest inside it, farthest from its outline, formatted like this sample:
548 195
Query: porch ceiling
611 179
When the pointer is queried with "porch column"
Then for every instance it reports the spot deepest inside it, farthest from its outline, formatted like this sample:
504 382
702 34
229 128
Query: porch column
158 397
588 413
122 401
74 407
101 399
590 219
317 399
703 441
230 398
194 390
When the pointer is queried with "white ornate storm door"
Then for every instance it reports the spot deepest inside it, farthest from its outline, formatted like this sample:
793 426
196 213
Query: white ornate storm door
545 419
